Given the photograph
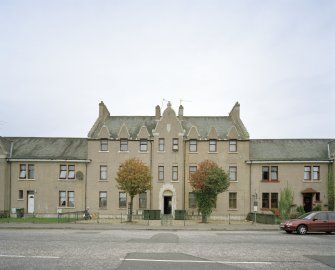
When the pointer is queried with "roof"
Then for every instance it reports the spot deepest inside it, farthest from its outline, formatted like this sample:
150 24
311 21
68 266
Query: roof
289 150
49 148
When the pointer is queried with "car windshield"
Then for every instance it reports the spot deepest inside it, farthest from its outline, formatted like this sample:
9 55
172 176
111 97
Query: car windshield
307 215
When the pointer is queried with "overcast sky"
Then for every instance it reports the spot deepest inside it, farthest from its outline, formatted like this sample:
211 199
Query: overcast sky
59 59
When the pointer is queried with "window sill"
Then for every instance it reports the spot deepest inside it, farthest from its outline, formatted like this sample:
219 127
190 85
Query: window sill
270 181
312 181
196 152
66 180
233 152
233 209
233 181
66 207
102 151
25 179
102 180
124 151
143 152
213 152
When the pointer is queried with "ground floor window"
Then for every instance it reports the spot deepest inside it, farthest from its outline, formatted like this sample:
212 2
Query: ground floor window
66 199
103 199
143 200
269 200
122 200
192 203
232 200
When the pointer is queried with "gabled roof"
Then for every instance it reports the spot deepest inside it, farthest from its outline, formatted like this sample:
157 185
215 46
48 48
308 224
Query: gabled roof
289 150
49 148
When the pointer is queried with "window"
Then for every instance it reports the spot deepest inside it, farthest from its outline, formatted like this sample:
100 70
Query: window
160 172
317 197
192 203
274 173
269 200
175 144
193 146
67 172
123 145
265 200
142 203
20 194
265 173
161 144
71 172
307 173
212 146
66 199
103 200
191 170
143 145
232 200
70 198
174 173
232 173
316 173
23 171
104 145
232 145
103 172
122 200
274 200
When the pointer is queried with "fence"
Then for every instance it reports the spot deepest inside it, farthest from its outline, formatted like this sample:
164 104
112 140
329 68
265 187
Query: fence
70 216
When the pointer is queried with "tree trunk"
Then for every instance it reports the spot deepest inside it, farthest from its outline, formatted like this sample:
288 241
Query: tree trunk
203 218
130 213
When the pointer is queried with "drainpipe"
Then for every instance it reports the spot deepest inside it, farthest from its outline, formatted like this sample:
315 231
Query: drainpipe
10 176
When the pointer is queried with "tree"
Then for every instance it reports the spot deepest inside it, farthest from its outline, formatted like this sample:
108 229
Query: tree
285 203
133 177
207 182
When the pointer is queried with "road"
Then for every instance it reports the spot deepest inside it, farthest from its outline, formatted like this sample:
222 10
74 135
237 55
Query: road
141 249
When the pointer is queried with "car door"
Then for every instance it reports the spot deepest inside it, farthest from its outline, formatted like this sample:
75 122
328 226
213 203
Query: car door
319 223
331 221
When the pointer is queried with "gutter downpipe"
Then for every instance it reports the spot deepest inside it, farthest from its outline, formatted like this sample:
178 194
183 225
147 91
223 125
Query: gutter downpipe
10 176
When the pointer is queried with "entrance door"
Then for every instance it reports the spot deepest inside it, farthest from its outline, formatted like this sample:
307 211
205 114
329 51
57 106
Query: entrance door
167 205
31 202
308 202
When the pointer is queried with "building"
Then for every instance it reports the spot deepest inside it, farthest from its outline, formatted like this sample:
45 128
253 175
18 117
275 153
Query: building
46 176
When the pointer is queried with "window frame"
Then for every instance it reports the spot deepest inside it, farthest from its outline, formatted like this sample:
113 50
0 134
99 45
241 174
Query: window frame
232 200
142 200
104 145
175 144
103 169
232 146
122 200
193 146
316 173
212 144
103 195
307 173
143 145
160 173
161 144
124 145
174 173
192 202
233 170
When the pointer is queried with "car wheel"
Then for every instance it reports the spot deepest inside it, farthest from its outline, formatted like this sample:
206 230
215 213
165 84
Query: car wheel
288 232
302 229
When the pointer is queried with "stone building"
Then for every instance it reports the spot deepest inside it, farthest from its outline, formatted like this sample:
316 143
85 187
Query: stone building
50 175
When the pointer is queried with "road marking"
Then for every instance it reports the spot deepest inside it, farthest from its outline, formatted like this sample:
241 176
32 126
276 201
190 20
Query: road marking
33 257
192 261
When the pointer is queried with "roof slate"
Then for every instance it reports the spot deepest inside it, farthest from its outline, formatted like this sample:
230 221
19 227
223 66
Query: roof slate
49 148
289 150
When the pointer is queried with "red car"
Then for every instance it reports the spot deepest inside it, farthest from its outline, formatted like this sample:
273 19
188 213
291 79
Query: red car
321 221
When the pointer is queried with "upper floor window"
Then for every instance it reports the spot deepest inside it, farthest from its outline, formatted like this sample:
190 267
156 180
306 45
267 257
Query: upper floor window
192 202
161 144
123 145
191 170
104 145
266 173
193 146
212 146
67 172
103 172
160 172
175 144
232 145
27 171
311 173
143 145
174 173
232 173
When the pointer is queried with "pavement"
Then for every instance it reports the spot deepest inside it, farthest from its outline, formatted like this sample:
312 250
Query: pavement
195 226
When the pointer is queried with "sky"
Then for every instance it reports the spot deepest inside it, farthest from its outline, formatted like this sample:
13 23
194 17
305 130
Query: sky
60 58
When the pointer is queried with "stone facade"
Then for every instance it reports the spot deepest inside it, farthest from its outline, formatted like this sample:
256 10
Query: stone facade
46 176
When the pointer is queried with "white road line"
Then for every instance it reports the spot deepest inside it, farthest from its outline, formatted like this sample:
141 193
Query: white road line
191 261
32 257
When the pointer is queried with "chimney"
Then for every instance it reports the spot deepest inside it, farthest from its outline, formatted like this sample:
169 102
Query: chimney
158 113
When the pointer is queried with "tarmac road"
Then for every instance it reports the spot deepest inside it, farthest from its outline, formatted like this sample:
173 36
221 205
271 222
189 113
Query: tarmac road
160 249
